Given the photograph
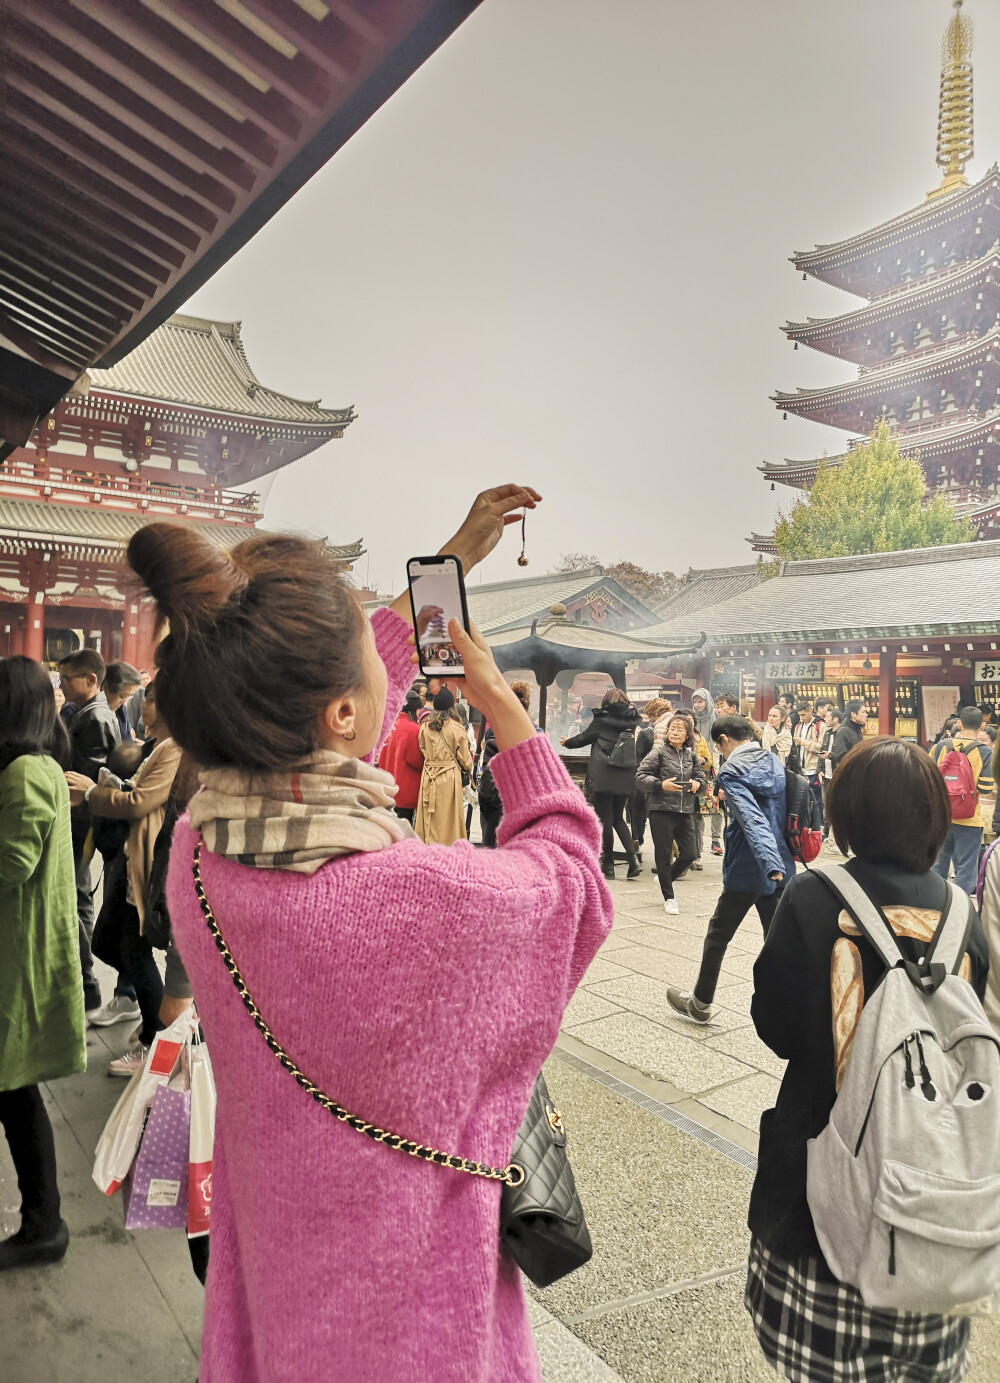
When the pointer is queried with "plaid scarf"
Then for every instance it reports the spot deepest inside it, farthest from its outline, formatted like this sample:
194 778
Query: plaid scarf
329 806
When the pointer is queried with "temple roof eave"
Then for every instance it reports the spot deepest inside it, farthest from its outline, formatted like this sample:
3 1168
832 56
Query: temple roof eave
331 419
879 382
894 304
926 214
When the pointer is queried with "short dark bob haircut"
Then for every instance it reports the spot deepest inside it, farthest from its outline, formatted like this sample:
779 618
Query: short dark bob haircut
28 720
887 803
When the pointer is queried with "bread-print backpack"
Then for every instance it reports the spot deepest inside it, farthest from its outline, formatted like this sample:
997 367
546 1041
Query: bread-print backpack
904 1181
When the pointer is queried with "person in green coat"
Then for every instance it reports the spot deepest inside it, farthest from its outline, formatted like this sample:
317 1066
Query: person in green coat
41 988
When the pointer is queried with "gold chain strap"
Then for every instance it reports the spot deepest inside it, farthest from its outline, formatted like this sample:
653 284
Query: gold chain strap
512 1175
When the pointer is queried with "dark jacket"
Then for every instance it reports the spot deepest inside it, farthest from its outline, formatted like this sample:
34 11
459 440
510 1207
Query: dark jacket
489 794
664 761
643 743
844 741
93 733
754 783
792 1010
602 734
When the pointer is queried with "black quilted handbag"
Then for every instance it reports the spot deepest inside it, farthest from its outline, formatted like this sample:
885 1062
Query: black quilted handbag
542 1224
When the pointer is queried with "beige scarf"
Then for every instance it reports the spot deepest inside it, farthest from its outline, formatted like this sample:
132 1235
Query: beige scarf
329 806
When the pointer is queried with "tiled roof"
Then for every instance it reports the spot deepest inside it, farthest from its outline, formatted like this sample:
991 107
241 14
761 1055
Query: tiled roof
919 292
709 587
194 361
927 212
512 604
91 524
928 592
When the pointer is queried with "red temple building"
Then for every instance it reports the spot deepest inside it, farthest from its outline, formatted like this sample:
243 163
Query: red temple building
926 340
180 429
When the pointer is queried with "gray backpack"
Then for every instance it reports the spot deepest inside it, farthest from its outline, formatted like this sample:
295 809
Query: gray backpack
904 1181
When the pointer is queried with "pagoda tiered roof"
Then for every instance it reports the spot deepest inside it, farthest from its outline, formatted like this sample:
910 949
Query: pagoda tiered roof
927 444
841 405
844 336
880 258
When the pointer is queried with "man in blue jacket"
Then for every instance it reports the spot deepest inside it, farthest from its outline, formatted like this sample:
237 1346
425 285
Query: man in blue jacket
757 862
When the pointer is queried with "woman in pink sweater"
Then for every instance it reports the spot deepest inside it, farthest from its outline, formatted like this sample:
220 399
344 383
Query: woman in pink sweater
419 986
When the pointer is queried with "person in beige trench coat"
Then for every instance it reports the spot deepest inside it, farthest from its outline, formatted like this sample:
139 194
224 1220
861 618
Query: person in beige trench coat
440 818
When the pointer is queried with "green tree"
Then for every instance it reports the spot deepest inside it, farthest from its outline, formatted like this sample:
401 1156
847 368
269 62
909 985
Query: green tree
873 502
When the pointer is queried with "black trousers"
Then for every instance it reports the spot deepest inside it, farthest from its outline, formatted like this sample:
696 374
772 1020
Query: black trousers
610 809
637 817
667 827
118 942
33 1152
730 911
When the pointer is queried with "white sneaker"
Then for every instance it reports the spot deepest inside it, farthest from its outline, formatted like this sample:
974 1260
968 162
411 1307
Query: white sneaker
118 1009
670 906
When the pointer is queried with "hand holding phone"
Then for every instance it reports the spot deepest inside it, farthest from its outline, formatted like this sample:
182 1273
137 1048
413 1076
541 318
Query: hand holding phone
437 596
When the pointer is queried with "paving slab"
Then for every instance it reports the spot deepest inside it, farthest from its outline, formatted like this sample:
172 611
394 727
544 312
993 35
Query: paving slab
648 996
660 1052
744 1044
702 1335
585 1006
602 969
744 1100
661 965
661 1206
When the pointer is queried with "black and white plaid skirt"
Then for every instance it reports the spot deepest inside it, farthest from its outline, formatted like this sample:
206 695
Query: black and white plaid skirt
817 1331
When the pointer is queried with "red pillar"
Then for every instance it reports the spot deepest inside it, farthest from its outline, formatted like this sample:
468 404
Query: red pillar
887 693
145 639
130 613
34 627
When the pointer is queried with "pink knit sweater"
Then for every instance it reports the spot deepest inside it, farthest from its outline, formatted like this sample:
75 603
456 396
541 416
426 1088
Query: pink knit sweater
421 987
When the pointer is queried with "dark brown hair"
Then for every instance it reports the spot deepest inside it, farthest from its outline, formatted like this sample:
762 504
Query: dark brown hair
614 696
259 641
888 803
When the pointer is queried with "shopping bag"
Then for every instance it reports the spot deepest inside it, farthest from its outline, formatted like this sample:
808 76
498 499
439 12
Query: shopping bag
202 1137
117 1145
155 1191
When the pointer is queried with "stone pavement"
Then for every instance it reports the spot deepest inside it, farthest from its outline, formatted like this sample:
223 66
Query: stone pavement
662 1121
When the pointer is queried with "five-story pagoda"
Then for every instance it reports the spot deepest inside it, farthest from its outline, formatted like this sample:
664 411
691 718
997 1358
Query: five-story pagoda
927 340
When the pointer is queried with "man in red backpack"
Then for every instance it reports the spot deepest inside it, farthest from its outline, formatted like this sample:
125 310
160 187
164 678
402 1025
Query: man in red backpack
965 765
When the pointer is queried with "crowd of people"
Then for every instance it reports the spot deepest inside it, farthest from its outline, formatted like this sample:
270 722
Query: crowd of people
317 834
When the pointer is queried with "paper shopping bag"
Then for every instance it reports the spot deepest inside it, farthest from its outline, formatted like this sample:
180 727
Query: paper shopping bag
155 1191
117 1145
202 1138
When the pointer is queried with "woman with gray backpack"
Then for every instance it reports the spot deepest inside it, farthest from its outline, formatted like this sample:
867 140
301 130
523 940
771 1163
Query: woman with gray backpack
875 1211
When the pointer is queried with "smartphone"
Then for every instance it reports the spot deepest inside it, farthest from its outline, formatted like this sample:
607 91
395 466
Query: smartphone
437 595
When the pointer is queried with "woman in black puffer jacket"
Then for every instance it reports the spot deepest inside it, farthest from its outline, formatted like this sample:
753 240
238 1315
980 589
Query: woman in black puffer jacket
671 775
611 773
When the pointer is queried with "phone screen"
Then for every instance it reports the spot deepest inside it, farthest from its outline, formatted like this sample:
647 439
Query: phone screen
437 595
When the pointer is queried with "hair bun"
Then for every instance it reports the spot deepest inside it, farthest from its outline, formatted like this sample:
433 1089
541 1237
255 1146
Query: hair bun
190 579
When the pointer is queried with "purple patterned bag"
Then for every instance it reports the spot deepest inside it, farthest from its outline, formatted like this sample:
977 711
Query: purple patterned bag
155 1190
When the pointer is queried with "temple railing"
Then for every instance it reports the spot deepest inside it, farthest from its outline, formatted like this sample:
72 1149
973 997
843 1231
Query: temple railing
33 481
920 354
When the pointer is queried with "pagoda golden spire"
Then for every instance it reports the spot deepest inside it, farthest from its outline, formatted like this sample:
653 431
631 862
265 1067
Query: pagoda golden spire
954 140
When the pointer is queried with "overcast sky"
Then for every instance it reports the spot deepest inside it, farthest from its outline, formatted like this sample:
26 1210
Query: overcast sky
559 255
